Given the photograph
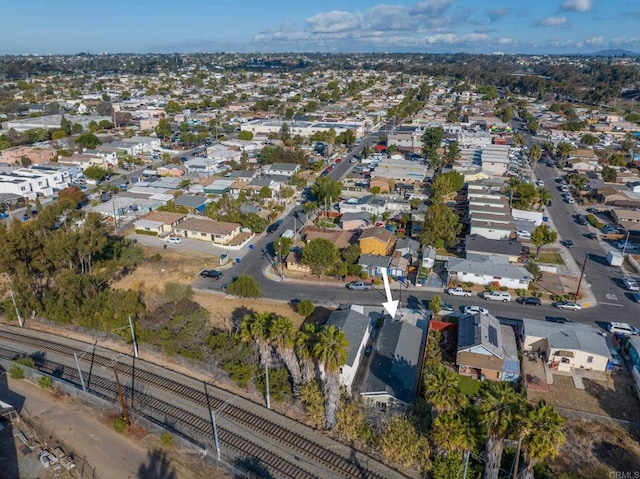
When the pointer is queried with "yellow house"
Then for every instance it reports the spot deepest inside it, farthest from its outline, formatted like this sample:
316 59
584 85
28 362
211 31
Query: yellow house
377 241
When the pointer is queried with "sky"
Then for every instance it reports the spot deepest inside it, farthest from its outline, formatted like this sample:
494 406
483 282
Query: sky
425 26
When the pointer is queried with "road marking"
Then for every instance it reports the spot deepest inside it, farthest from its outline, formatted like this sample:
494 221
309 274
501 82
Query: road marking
613 304
612 297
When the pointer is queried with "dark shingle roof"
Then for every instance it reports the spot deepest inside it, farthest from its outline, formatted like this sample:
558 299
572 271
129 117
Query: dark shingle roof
354 326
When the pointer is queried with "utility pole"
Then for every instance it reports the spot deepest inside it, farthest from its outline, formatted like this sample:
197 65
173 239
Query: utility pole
212 417
15 306
125 415
266 372
133 338
584 265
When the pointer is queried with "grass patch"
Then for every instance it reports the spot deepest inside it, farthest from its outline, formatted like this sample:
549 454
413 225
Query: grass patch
550 258
468 386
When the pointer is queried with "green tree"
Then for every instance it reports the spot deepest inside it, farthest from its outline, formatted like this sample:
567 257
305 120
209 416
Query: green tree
320 255
588 139
500 410
403 445
255 329
95 172
173 107
326 189
282 336
88 141
305 308
543 196
564 149
351 253
441 227
245 286
445 184
163 129
281 246
442 391
609 175
330 351
435 304
431 141
245 135
313 400
542 235
535 153
453 153
541 436
451 433
305 343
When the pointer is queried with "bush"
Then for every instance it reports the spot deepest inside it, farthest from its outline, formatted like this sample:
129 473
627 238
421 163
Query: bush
503 288
364 275
148 233
119 424
306 308
16 372
377 281
28 362
245 286
594 221
435 304
490 287
167 439
522 292
45 382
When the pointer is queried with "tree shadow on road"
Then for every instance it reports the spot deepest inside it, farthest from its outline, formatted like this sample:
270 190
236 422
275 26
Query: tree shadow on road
253 466
158 466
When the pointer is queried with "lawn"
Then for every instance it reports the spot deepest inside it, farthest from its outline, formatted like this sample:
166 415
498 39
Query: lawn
468 386
550 258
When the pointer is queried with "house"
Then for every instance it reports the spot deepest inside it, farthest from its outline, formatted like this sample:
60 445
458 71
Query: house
382 185
356 323
566 346
487 349
393 375
293 262
488 270
159 222
219 187
355 221
341 239
218 232
398 267
283 169
428 257
373 264
625 216
477 246
377 241
407 248
204 166
192 203
495 159
14 155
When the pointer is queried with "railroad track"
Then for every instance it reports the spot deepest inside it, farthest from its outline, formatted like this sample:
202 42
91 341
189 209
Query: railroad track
244 418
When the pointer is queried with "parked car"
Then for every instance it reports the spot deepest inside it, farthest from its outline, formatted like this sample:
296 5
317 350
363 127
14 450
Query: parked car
567 305
636 297
558 319
631 284
582 220
496 296
474 310
592 235
174 240
624 329
359 286
531 300
523 234
458 292
211 273
568 243
446 308
616 359
274 227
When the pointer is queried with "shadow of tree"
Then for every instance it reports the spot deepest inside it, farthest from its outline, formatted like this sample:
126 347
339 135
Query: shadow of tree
619 402
319 316
158 467
616 456
253 466
238 315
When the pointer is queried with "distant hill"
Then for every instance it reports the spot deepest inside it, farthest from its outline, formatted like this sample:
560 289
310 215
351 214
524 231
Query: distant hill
614 53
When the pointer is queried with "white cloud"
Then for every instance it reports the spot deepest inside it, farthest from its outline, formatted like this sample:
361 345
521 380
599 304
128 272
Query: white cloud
334 21
576 5
599 41
505 41
552 22
432 7
452 38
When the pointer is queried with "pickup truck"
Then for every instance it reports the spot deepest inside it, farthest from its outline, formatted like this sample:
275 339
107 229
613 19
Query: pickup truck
458 292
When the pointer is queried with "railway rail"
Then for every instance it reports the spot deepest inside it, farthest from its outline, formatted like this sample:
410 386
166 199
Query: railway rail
163 413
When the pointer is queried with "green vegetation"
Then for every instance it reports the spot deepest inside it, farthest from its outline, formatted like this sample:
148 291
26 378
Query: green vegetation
245 286
16 372
469 386
45 382
119 424
305 308
593 221
550 258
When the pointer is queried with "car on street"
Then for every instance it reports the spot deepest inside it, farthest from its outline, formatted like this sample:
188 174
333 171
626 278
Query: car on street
211 273
568 243
636 297
582 220
458 292
592 235
531 300
523 234
446 308
540 183
353 160
630 284
558 319
474 310
359 286
496 296
174 240
570 200
274 227
569 305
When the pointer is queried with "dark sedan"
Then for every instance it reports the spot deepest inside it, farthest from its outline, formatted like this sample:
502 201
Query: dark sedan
558 319
211 273
531 300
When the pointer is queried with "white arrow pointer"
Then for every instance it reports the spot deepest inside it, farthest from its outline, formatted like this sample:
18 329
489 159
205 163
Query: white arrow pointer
391 305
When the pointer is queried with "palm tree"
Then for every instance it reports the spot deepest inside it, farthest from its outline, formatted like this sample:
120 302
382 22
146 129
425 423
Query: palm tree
451 434
442 391
254 329
544 196
282 334
304 343
541 436
331 352
512 188
564 149
535 153
500 410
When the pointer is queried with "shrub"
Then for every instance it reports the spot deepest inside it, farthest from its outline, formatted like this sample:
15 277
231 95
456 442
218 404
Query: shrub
119 424
594 221
16 372
167 439
490 287
522 292
468 284
364 275
377 281
28 362
148 233
503 288
45 382
306 308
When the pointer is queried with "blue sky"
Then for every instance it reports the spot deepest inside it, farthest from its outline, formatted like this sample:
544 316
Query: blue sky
434 26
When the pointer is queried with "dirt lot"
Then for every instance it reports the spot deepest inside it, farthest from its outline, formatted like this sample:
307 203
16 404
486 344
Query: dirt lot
613 398
151 276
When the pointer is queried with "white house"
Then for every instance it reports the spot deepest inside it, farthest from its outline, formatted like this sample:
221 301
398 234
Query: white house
17 185
283 169
357 324
139 145
566 346
495 159
486 270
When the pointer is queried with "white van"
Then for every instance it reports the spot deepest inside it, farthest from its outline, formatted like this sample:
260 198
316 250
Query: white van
623 328
496 296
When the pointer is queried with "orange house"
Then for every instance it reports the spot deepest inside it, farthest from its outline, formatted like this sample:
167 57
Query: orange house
377 241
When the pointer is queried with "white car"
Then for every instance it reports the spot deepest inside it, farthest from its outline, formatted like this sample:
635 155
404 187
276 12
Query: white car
631 284
174 240
567 305
540 183
474 310
524 234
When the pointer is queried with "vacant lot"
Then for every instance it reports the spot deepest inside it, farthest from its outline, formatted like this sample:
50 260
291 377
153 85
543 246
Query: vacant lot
162 266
